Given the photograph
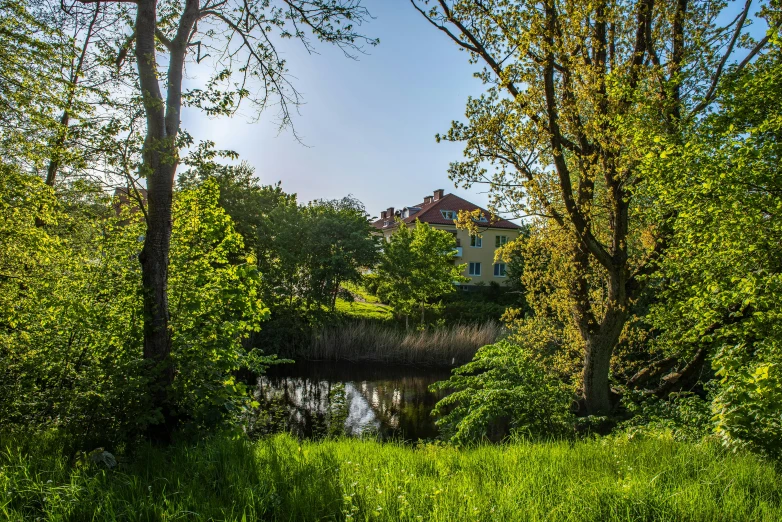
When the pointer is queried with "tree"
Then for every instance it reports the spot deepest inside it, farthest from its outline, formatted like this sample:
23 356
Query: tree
237 36
576 94
721 278
30 89
339 243
416 266
304 251
98 110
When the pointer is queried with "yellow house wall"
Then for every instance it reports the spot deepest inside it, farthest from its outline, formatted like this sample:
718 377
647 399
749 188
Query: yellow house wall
483 254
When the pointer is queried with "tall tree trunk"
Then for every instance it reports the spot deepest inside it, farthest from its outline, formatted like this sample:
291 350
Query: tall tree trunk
154 277
597 365
600 335
159 163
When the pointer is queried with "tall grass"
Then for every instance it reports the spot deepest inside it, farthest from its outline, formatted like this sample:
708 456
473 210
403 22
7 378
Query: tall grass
280 478
366 341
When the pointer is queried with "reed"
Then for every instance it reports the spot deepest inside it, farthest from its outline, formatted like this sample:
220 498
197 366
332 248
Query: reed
366 341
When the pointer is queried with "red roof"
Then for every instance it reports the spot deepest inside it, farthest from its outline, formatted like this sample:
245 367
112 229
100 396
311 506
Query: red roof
431 213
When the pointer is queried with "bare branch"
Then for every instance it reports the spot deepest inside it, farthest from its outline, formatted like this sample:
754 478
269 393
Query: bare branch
163 39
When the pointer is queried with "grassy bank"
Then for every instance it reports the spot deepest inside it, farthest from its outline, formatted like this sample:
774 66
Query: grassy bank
281 479
368 341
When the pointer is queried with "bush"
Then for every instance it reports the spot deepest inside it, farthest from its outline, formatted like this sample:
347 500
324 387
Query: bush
748 403
686 416
504 390
472 311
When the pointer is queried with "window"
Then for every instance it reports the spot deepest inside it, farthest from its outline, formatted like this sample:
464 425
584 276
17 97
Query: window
448 214
481 219
500 240
476 241
499 270
475 269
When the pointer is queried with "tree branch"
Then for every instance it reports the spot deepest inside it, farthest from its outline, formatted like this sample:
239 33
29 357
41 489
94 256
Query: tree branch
707 99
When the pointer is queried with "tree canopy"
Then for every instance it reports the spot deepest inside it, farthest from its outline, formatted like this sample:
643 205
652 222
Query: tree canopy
417 266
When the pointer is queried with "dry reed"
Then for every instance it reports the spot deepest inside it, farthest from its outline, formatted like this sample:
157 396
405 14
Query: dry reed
365 341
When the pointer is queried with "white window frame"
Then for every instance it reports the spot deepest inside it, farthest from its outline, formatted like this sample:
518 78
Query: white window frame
448 214
474 268
503 270
500 241
476 241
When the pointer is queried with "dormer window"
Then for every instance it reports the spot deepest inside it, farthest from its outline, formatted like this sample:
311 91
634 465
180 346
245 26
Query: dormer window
409 211
448 214
481 219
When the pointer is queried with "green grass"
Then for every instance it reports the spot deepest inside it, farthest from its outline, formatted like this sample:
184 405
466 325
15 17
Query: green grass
361 292
280 479
358 310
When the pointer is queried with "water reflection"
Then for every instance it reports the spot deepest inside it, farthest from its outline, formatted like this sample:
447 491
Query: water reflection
323 399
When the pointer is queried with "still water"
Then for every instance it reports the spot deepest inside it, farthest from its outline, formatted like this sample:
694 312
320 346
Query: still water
320 399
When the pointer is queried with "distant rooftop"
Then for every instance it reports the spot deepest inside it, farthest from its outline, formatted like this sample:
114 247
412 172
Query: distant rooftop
438 209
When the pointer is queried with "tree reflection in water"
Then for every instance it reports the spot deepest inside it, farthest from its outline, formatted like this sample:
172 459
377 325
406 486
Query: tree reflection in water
329 399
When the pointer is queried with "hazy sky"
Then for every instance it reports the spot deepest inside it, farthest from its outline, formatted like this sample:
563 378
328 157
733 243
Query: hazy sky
368 125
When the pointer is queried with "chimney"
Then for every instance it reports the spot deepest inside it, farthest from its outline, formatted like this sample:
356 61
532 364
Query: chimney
438 194
383 215
427 200
390 212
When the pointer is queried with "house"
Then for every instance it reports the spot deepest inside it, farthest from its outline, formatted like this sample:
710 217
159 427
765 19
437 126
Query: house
440 211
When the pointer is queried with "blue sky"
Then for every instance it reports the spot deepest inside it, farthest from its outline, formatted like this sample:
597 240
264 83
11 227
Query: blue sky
368 125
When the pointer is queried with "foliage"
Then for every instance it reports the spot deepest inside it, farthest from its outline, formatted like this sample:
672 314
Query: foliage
340 243
279 478
748 404
214 305
30 89
686 416
70 341
464 311
306 253
504 389
512 254
417 265
721 276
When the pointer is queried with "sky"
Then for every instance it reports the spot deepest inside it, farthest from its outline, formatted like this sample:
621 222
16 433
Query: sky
368 125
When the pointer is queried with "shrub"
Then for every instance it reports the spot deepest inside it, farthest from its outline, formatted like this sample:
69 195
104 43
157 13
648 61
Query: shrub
748 404
686 416
504 390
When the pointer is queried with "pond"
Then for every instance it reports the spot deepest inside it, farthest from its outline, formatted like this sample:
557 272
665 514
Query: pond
316 399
